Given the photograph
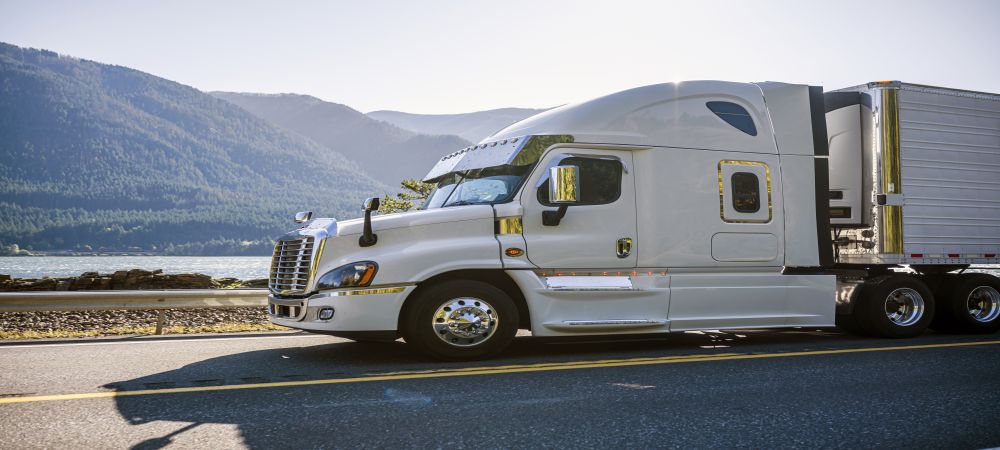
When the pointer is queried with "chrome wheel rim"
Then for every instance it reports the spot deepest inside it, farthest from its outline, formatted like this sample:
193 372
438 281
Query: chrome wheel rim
904 307
983 304
465 321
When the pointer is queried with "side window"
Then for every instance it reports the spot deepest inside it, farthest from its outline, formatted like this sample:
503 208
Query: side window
600 181
735 115
744 192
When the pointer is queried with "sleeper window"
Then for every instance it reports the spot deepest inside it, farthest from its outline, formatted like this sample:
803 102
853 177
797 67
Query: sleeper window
600 181
746 192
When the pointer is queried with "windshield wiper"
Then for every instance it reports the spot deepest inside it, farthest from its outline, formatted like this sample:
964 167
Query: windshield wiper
462 203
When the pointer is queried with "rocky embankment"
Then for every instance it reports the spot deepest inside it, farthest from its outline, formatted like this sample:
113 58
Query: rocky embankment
95 323
135 279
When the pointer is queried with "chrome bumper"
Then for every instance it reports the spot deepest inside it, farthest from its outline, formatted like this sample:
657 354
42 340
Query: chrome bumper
358 309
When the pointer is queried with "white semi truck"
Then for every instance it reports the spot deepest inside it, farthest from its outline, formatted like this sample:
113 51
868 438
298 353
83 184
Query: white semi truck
697 205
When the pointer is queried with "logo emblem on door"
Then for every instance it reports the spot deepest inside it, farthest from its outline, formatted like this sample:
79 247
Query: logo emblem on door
624 247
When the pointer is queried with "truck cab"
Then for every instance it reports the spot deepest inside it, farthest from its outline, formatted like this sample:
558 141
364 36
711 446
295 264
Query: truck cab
671 207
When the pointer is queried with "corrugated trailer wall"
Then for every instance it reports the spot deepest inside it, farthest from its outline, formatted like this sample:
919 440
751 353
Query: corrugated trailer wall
950 161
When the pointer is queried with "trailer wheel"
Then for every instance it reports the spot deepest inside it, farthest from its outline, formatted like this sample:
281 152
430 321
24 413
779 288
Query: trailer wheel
461 320
899 306
971 304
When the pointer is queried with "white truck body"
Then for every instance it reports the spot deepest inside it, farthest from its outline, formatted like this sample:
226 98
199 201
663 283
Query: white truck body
712 213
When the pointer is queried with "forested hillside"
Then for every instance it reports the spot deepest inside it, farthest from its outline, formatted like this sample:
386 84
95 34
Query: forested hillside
385 151
96 156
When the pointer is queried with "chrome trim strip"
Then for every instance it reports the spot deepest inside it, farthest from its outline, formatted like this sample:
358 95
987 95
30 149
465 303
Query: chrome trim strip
510 225
616 322
364 291
607 324
891 182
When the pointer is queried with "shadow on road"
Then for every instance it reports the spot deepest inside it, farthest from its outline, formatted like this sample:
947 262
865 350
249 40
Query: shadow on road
349 359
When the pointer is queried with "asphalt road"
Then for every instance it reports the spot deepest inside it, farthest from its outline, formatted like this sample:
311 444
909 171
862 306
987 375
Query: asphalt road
745 389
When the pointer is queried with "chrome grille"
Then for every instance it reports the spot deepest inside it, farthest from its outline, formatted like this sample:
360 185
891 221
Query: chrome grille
290 266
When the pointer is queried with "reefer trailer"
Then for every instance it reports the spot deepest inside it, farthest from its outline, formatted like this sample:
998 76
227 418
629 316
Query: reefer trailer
674 207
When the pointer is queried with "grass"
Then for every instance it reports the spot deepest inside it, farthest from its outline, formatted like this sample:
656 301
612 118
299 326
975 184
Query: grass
142 331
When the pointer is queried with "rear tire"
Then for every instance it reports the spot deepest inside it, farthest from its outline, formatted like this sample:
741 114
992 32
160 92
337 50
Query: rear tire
971 305
460 320
898 306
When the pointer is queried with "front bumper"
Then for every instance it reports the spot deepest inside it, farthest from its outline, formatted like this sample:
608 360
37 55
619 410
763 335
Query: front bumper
355 310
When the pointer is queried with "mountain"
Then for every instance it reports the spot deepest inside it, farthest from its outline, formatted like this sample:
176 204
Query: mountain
472 127
387 152
97 156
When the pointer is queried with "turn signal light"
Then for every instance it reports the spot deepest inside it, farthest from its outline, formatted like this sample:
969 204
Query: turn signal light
513 252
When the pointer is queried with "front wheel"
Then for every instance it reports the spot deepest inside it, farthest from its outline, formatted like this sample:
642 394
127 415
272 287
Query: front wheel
898 306
461 320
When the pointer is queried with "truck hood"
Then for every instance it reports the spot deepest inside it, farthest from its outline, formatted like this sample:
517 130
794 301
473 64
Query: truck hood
416 218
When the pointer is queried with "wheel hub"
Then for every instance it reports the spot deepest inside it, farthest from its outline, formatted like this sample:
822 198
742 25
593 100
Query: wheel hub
465 321
904 307
983 304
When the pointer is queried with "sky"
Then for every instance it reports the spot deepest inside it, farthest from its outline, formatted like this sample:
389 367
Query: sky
438 57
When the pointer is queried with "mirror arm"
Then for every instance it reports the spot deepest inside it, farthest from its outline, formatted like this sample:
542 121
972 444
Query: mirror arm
368 238
552 218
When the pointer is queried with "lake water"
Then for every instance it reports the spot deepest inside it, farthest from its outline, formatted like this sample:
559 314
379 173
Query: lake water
242 267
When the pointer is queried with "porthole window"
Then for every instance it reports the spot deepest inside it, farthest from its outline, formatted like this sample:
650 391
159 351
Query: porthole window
735 115
746 192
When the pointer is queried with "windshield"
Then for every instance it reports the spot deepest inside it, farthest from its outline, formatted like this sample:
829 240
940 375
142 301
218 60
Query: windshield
477 187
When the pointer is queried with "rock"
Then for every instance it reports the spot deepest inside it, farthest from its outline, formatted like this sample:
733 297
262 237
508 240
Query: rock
256 283
118 279
135 279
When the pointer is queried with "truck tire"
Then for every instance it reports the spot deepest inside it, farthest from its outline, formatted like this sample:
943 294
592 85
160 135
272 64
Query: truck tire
971 305
941 286
898 306
460 320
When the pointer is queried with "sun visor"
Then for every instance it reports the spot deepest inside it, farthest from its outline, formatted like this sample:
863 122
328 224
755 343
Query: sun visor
517 151
477 157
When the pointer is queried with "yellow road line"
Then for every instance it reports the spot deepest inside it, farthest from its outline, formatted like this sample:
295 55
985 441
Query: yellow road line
461 372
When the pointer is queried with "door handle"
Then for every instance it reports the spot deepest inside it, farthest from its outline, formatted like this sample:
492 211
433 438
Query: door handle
624 247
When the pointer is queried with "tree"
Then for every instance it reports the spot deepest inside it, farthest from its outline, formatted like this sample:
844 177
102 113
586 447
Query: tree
414 192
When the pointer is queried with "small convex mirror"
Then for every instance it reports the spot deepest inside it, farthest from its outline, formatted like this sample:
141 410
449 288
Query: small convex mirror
564 184
371 204
303 216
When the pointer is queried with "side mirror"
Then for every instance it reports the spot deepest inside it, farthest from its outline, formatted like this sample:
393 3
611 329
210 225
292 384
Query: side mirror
368 238
564 184
303 216
564 190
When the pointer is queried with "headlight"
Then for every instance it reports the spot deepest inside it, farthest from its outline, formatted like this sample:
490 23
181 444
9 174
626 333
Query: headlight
356 274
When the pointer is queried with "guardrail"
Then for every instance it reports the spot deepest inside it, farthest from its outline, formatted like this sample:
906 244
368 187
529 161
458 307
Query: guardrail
159 300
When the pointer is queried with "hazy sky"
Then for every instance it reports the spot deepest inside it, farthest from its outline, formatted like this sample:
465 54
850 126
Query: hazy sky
439 57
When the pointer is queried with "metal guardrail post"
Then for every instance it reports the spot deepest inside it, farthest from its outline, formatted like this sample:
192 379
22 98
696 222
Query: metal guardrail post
160 313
